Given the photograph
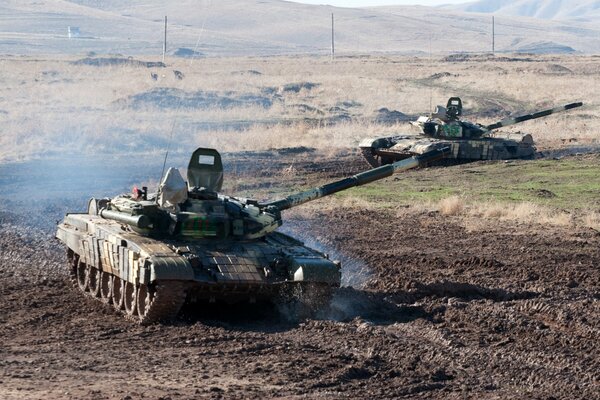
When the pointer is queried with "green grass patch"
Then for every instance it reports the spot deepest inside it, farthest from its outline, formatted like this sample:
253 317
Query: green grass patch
572 184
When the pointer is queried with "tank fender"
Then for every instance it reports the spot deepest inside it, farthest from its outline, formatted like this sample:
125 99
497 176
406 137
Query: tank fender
376 143
163 268
368 142
315 270
70 237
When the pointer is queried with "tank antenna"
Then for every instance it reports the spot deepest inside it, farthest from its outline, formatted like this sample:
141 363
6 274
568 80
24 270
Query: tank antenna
431 69
162 173
194 54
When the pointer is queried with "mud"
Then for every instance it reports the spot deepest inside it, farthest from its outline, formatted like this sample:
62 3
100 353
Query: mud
437 311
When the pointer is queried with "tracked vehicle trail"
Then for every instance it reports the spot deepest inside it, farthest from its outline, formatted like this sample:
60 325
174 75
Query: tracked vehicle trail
493 104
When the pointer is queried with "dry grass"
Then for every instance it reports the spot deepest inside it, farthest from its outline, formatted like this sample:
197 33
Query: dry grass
332 137
452 205
53 106
476 216
522 212
592 220
350 202
422 207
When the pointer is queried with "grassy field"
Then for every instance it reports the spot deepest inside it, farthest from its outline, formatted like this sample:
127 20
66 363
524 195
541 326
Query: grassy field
555 192
572 183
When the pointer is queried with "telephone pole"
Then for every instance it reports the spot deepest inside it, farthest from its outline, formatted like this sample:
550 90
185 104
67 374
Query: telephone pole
332 39
493 35
165 41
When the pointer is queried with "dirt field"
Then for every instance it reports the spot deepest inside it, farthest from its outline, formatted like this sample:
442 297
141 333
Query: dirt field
437 310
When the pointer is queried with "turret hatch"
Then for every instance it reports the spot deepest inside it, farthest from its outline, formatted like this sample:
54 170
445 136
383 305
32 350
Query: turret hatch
205 170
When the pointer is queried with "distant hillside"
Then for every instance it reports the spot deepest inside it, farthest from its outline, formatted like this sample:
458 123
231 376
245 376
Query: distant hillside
271 27
583 10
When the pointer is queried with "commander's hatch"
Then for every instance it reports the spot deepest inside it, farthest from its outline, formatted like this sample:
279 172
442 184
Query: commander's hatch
205 170
454 108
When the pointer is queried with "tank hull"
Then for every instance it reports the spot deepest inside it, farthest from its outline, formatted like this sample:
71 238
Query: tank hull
385 150
101 253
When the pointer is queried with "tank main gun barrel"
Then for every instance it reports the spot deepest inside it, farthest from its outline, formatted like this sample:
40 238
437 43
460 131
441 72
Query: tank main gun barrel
528 117
359 179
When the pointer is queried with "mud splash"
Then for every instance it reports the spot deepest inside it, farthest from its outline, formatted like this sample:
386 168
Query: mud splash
355 273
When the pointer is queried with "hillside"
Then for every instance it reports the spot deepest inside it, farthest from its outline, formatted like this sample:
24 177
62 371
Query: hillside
252 27
580 10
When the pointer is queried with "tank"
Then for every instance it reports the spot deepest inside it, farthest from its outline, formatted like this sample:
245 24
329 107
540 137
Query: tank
468 141
147 254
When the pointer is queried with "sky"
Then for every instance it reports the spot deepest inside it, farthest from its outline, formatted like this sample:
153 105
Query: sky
370 3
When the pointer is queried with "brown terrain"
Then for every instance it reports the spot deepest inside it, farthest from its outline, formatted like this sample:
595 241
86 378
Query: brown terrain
471 281
430 309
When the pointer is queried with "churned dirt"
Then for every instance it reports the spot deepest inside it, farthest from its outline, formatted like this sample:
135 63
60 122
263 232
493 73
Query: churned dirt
436 311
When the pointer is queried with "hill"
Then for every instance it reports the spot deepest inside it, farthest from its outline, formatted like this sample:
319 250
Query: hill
580 10
270 27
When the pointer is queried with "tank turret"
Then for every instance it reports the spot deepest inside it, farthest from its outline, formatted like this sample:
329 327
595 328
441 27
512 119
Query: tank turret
445 122
195 210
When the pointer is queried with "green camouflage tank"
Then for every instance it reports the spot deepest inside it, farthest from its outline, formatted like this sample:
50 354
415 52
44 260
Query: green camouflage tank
466 140
147 254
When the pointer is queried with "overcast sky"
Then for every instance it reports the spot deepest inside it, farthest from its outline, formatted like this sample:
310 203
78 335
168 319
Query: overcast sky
367 3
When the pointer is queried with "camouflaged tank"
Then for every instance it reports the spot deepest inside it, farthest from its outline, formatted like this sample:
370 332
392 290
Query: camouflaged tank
468 141
147 254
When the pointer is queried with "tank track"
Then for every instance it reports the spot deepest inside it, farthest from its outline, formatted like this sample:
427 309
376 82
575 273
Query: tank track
166 303
370 157
142 304
377 158
162 301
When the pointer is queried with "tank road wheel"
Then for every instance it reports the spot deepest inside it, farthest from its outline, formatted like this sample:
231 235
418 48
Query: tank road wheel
94 276
82 276
160 302
106 282
144 299
130 299
117 292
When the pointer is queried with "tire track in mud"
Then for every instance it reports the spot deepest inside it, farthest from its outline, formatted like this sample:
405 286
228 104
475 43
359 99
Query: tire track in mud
544 307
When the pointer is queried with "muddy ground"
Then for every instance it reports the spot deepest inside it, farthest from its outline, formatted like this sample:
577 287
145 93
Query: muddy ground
436 311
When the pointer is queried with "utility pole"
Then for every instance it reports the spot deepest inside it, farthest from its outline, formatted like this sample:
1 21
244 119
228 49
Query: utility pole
165 41
493 35
332 39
